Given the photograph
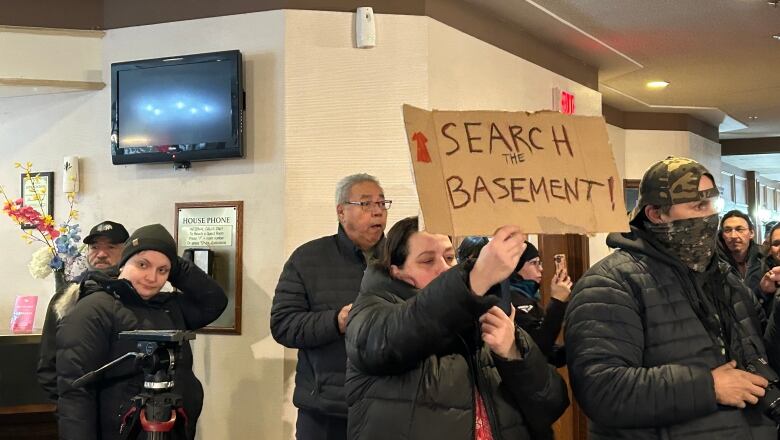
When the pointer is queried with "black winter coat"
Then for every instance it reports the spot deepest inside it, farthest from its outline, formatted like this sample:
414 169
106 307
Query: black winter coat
542 323
767 263
753 274
640 359
47 355
59 306
87 338
319 278
415 360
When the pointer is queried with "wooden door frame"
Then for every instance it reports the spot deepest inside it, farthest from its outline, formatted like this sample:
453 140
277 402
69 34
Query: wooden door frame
577 250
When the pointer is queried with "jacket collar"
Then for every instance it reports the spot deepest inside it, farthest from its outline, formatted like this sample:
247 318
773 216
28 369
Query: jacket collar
376 280
639 241
753 252
121 289
348 247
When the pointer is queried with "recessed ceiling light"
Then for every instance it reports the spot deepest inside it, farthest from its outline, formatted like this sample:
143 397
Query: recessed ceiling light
752 118
776 36
657 84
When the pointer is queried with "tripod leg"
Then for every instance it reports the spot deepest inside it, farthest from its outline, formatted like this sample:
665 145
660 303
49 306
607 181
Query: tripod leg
131 423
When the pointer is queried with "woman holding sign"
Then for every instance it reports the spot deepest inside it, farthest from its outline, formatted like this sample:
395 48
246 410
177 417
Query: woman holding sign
430 355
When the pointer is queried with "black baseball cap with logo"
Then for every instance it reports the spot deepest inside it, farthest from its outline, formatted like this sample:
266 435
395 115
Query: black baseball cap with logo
113 231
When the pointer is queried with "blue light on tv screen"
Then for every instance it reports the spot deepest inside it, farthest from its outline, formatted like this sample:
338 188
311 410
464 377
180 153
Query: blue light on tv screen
184 104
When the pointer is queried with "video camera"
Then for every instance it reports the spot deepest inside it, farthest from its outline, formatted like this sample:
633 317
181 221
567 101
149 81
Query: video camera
770 402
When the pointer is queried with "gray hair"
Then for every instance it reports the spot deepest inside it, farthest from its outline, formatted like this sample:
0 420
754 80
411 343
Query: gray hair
345 185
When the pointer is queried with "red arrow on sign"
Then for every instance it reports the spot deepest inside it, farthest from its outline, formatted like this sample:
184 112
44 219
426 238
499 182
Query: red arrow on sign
422 149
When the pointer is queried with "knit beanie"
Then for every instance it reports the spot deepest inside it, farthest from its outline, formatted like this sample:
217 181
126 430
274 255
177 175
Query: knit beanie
470 247
530 253
150 238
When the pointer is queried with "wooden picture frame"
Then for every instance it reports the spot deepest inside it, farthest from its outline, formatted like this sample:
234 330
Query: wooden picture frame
27 193
211 232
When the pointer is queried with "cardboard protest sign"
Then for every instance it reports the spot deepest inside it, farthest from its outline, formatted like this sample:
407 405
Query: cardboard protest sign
547 172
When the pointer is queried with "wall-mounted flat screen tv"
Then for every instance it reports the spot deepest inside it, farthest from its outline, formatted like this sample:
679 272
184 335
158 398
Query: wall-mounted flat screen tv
177 109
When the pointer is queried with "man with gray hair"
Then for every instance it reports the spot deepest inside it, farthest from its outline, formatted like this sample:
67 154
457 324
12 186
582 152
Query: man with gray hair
316 289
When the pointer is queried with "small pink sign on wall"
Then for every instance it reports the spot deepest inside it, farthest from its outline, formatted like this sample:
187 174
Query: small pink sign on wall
23 316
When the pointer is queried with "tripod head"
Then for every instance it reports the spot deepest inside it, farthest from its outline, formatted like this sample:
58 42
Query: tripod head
157 353
159 350
156 408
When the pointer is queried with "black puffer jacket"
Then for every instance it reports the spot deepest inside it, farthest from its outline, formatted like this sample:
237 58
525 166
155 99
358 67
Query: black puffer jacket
542 323
640 359
753 274
414 361
319 278
65 297
767 263
87 339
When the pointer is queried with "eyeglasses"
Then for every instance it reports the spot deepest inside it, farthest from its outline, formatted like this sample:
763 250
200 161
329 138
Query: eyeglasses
537 263
369 206
739 230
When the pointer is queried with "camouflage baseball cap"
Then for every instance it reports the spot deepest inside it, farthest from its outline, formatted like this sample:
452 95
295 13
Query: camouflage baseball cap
671 181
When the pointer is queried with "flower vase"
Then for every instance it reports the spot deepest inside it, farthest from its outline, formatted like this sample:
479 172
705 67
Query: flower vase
60 283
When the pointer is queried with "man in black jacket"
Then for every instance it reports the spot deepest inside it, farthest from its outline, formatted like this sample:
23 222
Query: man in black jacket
737 246
105 242
316 289
659 334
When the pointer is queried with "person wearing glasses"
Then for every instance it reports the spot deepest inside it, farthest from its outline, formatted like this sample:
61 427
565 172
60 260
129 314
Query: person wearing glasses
663 341
543 324
315 292
737 247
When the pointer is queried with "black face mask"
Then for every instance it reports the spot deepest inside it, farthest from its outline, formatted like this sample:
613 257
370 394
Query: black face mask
691 240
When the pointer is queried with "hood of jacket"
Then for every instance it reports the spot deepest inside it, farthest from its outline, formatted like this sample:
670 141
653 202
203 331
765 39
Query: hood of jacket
376 279
63 302
121 289
639 241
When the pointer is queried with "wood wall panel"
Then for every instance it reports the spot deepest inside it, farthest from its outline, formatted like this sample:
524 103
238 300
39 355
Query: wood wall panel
740 190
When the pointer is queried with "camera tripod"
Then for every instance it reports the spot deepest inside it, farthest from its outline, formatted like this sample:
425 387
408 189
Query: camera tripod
157 410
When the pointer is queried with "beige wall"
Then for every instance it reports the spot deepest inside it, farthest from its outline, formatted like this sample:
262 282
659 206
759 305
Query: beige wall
318 109
645 147
343 108
636 150
244 392
63 56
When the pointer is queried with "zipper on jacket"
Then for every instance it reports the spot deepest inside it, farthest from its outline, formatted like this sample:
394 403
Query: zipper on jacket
474 390
722 351
487 398
476 385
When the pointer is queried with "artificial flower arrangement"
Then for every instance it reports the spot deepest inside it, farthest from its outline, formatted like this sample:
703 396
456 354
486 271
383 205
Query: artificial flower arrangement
61 250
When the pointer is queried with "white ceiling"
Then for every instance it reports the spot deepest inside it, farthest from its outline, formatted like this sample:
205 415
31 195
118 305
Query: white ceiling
718 56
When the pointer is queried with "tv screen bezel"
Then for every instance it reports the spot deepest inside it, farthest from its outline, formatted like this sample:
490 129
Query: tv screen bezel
234 146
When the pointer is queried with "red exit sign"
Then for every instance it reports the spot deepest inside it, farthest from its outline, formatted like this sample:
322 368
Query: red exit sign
563 101
567 103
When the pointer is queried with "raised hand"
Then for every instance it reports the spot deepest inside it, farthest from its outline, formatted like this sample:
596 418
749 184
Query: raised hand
497 260
560 286
770 280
